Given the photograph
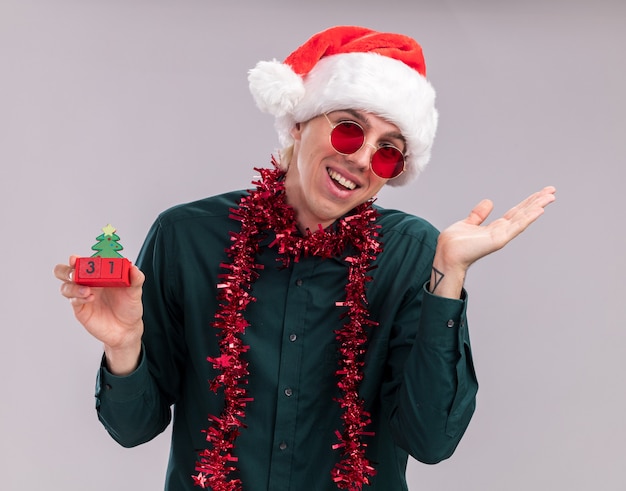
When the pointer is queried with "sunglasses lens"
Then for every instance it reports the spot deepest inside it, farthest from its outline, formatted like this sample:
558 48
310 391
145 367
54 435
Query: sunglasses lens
347 137
387 162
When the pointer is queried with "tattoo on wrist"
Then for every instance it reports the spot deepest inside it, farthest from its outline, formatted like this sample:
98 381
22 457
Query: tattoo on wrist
438 277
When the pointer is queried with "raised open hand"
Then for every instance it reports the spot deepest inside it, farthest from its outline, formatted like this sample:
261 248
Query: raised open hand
468 240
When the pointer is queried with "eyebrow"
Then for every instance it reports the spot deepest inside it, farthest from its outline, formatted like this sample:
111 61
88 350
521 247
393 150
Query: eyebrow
361 118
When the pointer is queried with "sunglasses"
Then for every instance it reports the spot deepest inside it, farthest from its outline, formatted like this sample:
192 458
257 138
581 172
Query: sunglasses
348 137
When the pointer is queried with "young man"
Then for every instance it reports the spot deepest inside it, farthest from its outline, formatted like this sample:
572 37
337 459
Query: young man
306 339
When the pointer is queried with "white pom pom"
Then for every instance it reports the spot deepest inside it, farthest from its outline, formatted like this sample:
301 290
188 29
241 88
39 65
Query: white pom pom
276 88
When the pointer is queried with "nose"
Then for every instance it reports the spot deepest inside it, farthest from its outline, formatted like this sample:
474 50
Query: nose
363 155
370 145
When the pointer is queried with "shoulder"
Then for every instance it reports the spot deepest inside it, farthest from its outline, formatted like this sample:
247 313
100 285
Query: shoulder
398 226
194 229
408 247
208 209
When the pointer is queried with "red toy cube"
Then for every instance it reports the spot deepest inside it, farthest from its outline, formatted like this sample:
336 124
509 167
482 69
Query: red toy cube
102 271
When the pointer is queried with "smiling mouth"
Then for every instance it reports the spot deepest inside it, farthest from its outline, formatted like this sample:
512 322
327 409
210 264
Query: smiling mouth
338 178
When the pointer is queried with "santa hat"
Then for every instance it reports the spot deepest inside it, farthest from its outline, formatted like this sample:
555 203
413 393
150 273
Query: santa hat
349 67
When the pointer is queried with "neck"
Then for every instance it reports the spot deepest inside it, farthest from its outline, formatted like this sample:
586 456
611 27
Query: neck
304 221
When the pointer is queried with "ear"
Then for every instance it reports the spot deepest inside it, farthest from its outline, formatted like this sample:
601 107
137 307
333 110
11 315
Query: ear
296 131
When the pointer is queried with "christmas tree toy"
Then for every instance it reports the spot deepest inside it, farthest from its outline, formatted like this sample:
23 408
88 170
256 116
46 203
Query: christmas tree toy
106 267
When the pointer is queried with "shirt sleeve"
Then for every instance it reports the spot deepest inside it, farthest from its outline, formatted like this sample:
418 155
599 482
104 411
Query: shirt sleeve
435 398
137 407
127 406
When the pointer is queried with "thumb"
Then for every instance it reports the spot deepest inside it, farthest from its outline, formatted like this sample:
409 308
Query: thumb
480 212
136 276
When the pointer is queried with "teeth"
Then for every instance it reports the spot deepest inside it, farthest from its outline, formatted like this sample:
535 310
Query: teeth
341 180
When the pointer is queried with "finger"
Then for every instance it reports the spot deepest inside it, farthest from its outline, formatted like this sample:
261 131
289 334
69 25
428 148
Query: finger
547 195
543 198
63 272
72 290
520 217
533 206
480 212
78 302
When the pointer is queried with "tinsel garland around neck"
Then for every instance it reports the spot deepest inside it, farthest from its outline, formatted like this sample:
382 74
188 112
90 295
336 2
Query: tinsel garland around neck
260 212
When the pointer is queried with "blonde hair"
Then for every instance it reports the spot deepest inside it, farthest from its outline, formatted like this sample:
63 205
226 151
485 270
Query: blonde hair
284 157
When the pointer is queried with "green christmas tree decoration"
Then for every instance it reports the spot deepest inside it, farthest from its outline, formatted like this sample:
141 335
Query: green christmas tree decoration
107 267
108 243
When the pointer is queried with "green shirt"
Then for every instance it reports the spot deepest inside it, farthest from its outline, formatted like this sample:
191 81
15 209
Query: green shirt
419 383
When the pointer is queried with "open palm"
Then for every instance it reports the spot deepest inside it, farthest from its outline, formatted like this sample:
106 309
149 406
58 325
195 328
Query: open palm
468 240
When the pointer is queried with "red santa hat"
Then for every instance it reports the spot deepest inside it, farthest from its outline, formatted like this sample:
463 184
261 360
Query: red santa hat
349 67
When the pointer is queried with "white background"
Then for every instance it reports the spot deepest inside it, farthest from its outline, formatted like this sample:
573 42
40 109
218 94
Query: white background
111 111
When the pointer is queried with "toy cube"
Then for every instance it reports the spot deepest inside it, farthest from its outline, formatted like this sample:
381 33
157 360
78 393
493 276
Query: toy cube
102 271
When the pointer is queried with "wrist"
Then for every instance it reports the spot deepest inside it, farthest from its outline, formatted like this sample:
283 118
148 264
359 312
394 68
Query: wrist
123 359
447 279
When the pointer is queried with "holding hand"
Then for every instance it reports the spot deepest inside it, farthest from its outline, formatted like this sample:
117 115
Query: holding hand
468 240
111 315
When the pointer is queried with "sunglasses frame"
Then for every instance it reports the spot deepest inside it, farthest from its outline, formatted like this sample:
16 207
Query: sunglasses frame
376 149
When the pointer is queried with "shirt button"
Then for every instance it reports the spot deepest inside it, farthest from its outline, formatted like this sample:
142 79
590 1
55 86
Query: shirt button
288 392
299 282
450 323
293 337
282 446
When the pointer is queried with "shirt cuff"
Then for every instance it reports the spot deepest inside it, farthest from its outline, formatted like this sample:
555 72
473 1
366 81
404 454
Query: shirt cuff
442 318
122 388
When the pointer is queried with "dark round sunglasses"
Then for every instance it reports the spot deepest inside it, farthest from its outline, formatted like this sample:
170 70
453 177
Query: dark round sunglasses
348 137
